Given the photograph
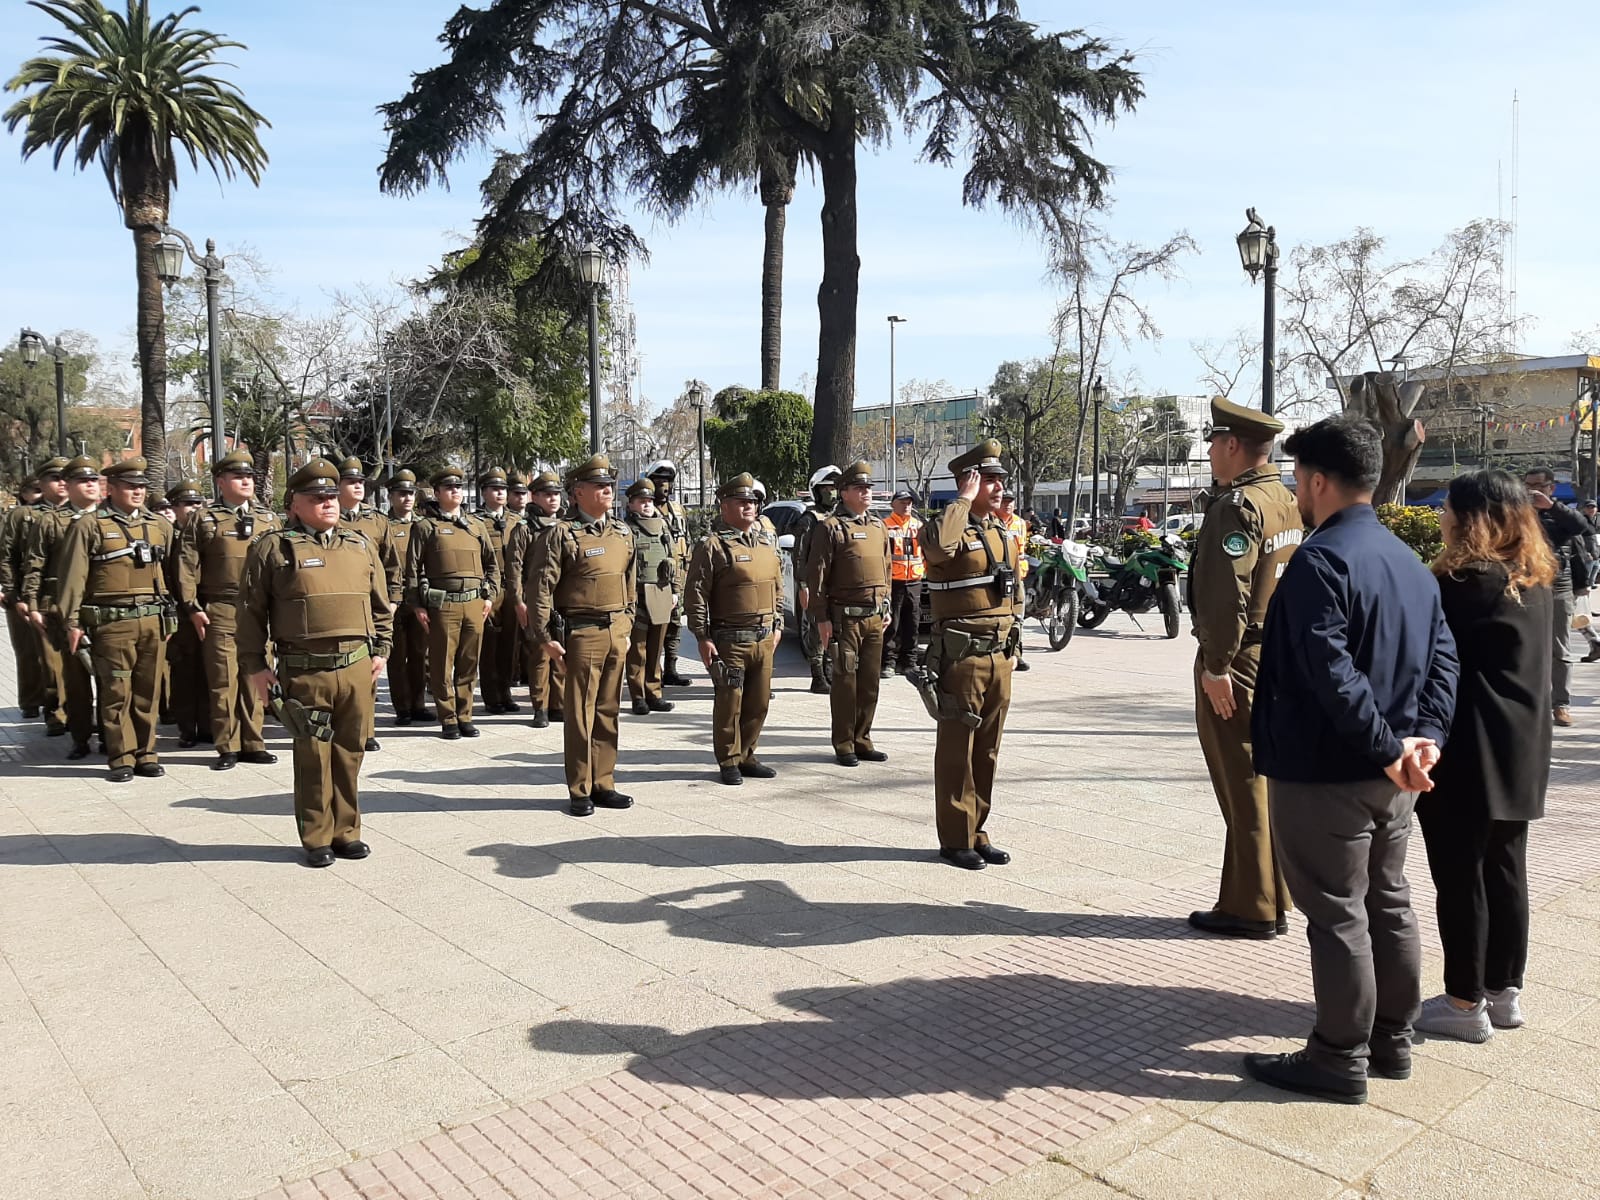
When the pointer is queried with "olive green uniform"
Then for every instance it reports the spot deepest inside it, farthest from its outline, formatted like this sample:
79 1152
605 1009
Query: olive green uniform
585 575
374 526
526 559
108 589
970 649
37 685
451 569
677 519
655 605
502 636
733 596
213 545
847 577
1251 529
188 695
408 658
40 584
323 600
805 526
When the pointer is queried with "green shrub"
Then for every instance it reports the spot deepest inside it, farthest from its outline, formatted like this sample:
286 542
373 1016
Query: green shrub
1416 526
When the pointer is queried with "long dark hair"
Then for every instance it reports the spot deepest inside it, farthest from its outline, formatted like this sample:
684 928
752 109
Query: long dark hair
1495 523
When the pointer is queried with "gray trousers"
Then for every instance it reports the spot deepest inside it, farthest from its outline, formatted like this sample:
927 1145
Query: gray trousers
1342 848
1560 668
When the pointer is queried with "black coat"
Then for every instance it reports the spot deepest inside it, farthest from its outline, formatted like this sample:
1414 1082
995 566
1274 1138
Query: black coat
1497 757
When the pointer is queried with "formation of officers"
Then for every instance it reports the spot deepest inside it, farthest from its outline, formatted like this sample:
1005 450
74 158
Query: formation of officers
126 612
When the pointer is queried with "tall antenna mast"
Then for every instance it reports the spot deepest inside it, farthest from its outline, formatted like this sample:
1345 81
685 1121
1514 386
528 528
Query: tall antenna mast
1516 163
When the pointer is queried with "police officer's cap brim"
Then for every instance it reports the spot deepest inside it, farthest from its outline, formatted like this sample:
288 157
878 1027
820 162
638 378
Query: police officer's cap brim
407 488
320 491
127 480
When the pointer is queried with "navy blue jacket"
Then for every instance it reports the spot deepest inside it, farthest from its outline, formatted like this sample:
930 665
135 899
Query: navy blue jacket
1355 655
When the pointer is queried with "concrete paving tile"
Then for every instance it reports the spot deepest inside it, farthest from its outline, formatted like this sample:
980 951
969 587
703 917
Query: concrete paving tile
1579 902
1436 1166
1434 1089
1196 1163
1043 1181
1557 1067
381 1104
1340 1140
1568 932
1125 1137
1583 1026
657 1016
1534 1126
1563 968
508 1060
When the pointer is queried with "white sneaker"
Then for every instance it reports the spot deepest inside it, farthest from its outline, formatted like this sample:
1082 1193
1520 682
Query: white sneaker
1444 1019
1505 1008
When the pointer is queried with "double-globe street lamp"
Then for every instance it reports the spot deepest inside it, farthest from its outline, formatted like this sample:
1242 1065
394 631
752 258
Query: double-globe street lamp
32 345
1258 251
591 264
696 393
169 266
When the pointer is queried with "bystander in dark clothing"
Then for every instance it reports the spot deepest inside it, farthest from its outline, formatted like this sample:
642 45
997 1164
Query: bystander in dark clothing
1357 668
1562 526
1494 582
1058 526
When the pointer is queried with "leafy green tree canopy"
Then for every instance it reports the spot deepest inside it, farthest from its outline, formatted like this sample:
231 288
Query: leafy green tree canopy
768 438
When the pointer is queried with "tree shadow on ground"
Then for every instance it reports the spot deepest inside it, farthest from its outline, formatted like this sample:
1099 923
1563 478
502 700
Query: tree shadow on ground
281 804
772 912
690 850
52 849
983 1037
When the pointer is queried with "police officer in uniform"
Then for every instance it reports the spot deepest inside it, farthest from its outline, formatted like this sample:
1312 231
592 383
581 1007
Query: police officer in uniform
502 637
355 513
824 494
320 593
906 571
734 599
1017 530
40 584
847 580
665 477
526 561
517 492
1251 529
113 590
585 574
188 698
39 671
657 571
212 547
976 604
408 657
452 583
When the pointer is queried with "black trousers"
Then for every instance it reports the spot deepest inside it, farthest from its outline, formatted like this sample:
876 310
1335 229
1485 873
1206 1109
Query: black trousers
900 639
1480 871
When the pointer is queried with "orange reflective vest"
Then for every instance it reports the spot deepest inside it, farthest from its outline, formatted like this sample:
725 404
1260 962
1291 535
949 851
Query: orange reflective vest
1017 531
905 551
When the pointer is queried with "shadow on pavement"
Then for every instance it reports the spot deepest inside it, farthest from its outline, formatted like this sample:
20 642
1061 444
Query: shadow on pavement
692 850
52 849
281 804
981 1036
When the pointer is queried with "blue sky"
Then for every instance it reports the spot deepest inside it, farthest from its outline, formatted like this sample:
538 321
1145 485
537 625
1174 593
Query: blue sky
1325 117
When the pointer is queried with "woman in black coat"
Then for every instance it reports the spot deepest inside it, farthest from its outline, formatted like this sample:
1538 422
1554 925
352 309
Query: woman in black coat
1494 577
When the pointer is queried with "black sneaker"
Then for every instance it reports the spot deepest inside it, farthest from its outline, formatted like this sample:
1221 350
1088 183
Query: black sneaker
1297 1073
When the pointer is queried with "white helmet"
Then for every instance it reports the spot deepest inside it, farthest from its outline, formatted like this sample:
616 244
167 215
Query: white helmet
760 489
664 467
825 476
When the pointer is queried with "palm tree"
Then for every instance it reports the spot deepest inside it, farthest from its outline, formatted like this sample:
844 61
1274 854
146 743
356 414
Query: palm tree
131 92
258 420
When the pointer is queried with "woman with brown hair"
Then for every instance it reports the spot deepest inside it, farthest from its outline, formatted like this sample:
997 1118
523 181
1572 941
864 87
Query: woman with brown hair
1495 576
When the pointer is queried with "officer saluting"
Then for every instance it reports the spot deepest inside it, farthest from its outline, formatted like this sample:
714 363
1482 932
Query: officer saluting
847 579
212 547
113 590
657 570
586 576
1251 529
452 579
408 658
734 598
966 683
319 592
528 543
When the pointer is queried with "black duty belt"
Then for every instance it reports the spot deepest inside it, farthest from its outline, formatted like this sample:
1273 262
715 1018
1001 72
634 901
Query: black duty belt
861 612
602 621
738 634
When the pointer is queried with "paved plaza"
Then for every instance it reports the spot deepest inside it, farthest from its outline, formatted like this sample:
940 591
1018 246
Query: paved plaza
769 991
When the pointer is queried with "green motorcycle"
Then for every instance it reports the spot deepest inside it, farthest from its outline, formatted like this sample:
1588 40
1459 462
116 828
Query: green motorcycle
1147 579
1057 587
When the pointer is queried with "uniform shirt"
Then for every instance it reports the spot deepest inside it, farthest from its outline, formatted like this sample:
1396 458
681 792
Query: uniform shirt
370 523
83 543
1251 530
204 570
576 544
395 552
458 524
947 539
715 555
523 554
42 561
502 526
830 580
15 532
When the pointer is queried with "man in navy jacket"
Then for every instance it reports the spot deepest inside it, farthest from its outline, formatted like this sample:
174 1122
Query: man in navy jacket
1357 689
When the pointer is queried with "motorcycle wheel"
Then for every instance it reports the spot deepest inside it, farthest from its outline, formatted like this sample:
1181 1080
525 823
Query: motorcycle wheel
1063 617
1091 615
1168 600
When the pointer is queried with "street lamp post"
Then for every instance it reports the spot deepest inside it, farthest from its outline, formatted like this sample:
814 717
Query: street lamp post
591 269
894 472
169 266
1094 497
1258 251
696 391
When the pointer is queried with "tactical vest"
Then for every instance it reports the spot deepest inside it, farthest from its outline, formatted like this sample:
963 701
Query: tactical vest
981 550
453 553
652 547
747 588
905 552
224 541
116 576
857 563
596 578
328 592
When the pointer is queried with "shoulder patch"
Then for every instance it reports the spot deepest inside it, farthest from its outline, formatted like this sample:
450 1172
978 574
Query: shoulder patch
1235 545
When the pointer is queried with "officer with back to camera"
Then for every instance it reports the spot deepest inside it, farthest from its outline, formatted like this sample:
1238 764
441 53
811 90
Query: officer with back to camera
664 475
319 593
824 495
212 547
408 657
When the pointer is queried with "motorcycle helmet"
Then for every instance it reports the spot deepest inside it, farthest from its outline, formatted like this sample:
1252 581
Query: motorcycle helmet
664 467
824 478
760 490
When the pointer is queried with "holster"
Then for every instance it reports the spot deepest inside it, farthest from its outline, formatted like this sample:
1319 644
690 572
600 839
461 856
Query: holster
169 619
301 721
433 598
845 660
724 676
932 660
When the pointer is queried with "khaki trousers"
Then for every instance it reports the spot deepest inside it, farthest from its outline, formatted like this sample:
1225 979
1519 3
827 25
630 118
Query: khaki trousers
326 807
408 662
25 653
501 641
189 698
1252 881
455 643
644 660
964 759
592 693
128 657
857 650
236 712
55 687
79 699
546 681
738 713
